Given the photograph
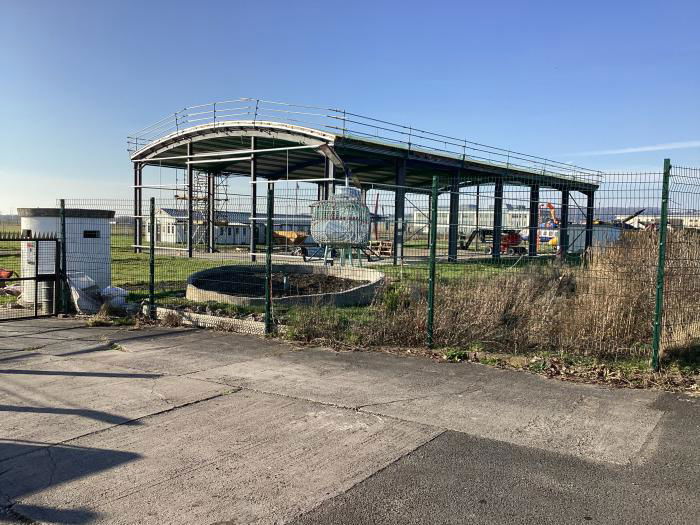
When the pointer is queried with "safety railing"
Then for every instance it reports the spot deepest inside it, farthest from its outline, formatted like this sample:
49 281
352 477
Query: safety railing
352 125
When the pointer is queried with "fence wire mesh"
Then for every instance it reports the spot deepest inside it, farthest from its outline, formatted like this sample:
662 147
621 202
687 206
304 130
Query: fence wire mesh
518 267
681 292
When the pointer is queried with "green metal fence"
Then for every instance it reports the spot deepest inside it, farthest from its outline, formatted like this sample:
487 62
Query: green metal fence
499 265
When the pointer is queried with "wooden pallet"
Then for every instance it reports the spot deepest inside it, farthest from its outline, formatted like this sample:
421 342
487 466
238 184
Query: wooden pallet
382 248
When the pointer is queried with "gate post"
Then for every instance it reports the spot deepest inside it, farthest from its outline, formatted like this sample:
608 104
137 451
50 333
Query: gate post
152 262
661 268
65 303
268 257
431 269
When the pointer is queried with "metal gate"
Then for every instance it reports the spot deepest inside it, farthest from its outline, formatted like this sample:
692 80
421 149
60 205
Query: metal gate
29 276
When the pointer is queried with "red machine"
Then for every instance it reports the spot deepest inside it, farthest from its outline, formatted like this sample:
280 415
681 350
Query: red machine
510 241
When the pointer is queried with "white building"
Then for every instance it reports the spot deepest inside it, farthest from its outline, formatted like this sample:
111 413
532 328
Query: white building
88 246
231 227
513 219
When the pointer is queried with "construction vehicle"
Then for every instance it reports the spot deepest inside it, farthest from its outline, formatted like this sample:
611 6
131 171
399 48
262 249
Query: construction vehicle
288 237
511 241
624 222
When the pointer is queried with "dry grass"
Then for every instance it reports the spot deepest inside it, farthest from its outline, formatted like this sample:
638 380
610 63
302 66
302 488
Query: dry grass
604 307
171 320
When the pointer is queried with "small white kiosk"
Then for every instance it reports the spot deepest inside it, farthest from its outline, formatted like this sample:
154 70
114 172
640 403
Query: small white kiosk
88 246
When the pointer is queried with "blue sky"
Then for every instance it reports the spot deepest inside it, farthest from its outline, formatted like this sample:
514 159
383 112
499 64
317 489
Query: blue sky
573 81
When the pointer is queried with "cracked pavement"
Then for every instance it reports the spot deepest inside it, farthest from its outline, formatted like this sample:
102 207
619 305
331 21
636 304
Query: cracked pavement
111 425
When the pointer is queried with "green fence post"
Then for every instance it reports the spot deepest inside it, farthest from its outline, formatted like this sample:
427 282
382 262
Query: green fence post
431 268
268 257
65 302
152 262
661 268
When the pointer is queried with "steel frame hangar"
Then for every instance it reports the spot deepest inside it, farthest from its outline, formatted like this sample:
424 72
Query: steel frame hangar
271 141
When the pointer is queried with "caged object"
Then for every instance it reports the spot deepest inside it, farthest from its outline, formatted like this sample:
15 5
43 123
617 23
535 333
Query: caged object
342 221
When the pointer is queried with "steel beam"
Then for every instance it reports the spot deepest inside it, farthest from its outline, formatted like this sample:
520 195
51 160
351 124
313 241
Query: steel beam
453 228
253 202
590 208
564 224
190 199
497 219
534 221
399 207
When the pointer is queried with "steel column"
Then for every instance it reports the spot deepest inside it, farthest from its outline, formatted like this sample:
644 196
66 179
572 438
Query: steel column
211 212
138 197
564 224
497 219
399 206
190 198
253 202
590 207
330 174
534 221
453 227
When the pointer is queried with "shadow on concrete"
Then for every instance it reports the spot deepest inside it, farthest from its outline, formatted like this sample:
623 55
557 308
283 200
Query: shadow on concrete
19 356
97 415
52 515
78 374
33 468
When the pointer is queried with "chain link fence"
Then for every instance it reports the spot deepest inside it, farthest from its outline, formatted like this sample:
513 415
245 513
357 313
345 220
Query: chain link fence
495 265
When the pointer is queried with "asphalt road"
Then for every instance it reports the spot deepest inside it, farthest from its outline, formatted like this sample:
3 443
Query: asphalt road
109 425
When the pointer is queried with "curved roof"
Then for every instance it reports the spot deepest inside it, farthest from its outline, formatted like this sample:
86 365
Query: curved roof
287 140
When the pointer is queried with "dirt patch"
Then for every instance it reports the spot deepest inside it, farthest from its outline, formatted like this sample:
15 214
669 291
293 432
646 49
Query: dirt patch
252 284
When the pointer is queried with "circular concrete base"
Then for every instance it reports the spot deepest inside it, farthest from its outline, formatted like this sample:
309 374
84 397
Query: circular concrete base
369 281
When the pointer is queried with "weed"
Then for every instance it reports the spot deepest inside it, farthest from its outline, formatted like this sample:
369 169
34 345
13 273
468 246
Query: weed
455 355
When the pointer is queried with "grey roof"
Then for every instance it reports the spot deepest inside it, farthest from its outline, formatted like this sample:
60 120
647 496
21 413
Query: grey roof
233 217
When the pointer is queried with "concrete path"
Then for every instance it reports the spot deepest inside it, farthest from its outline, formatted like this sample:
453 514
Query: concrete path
110 425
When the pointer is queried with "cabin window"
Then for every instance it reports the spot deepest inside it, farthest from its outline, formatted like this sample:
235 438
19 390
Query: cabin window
91 234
